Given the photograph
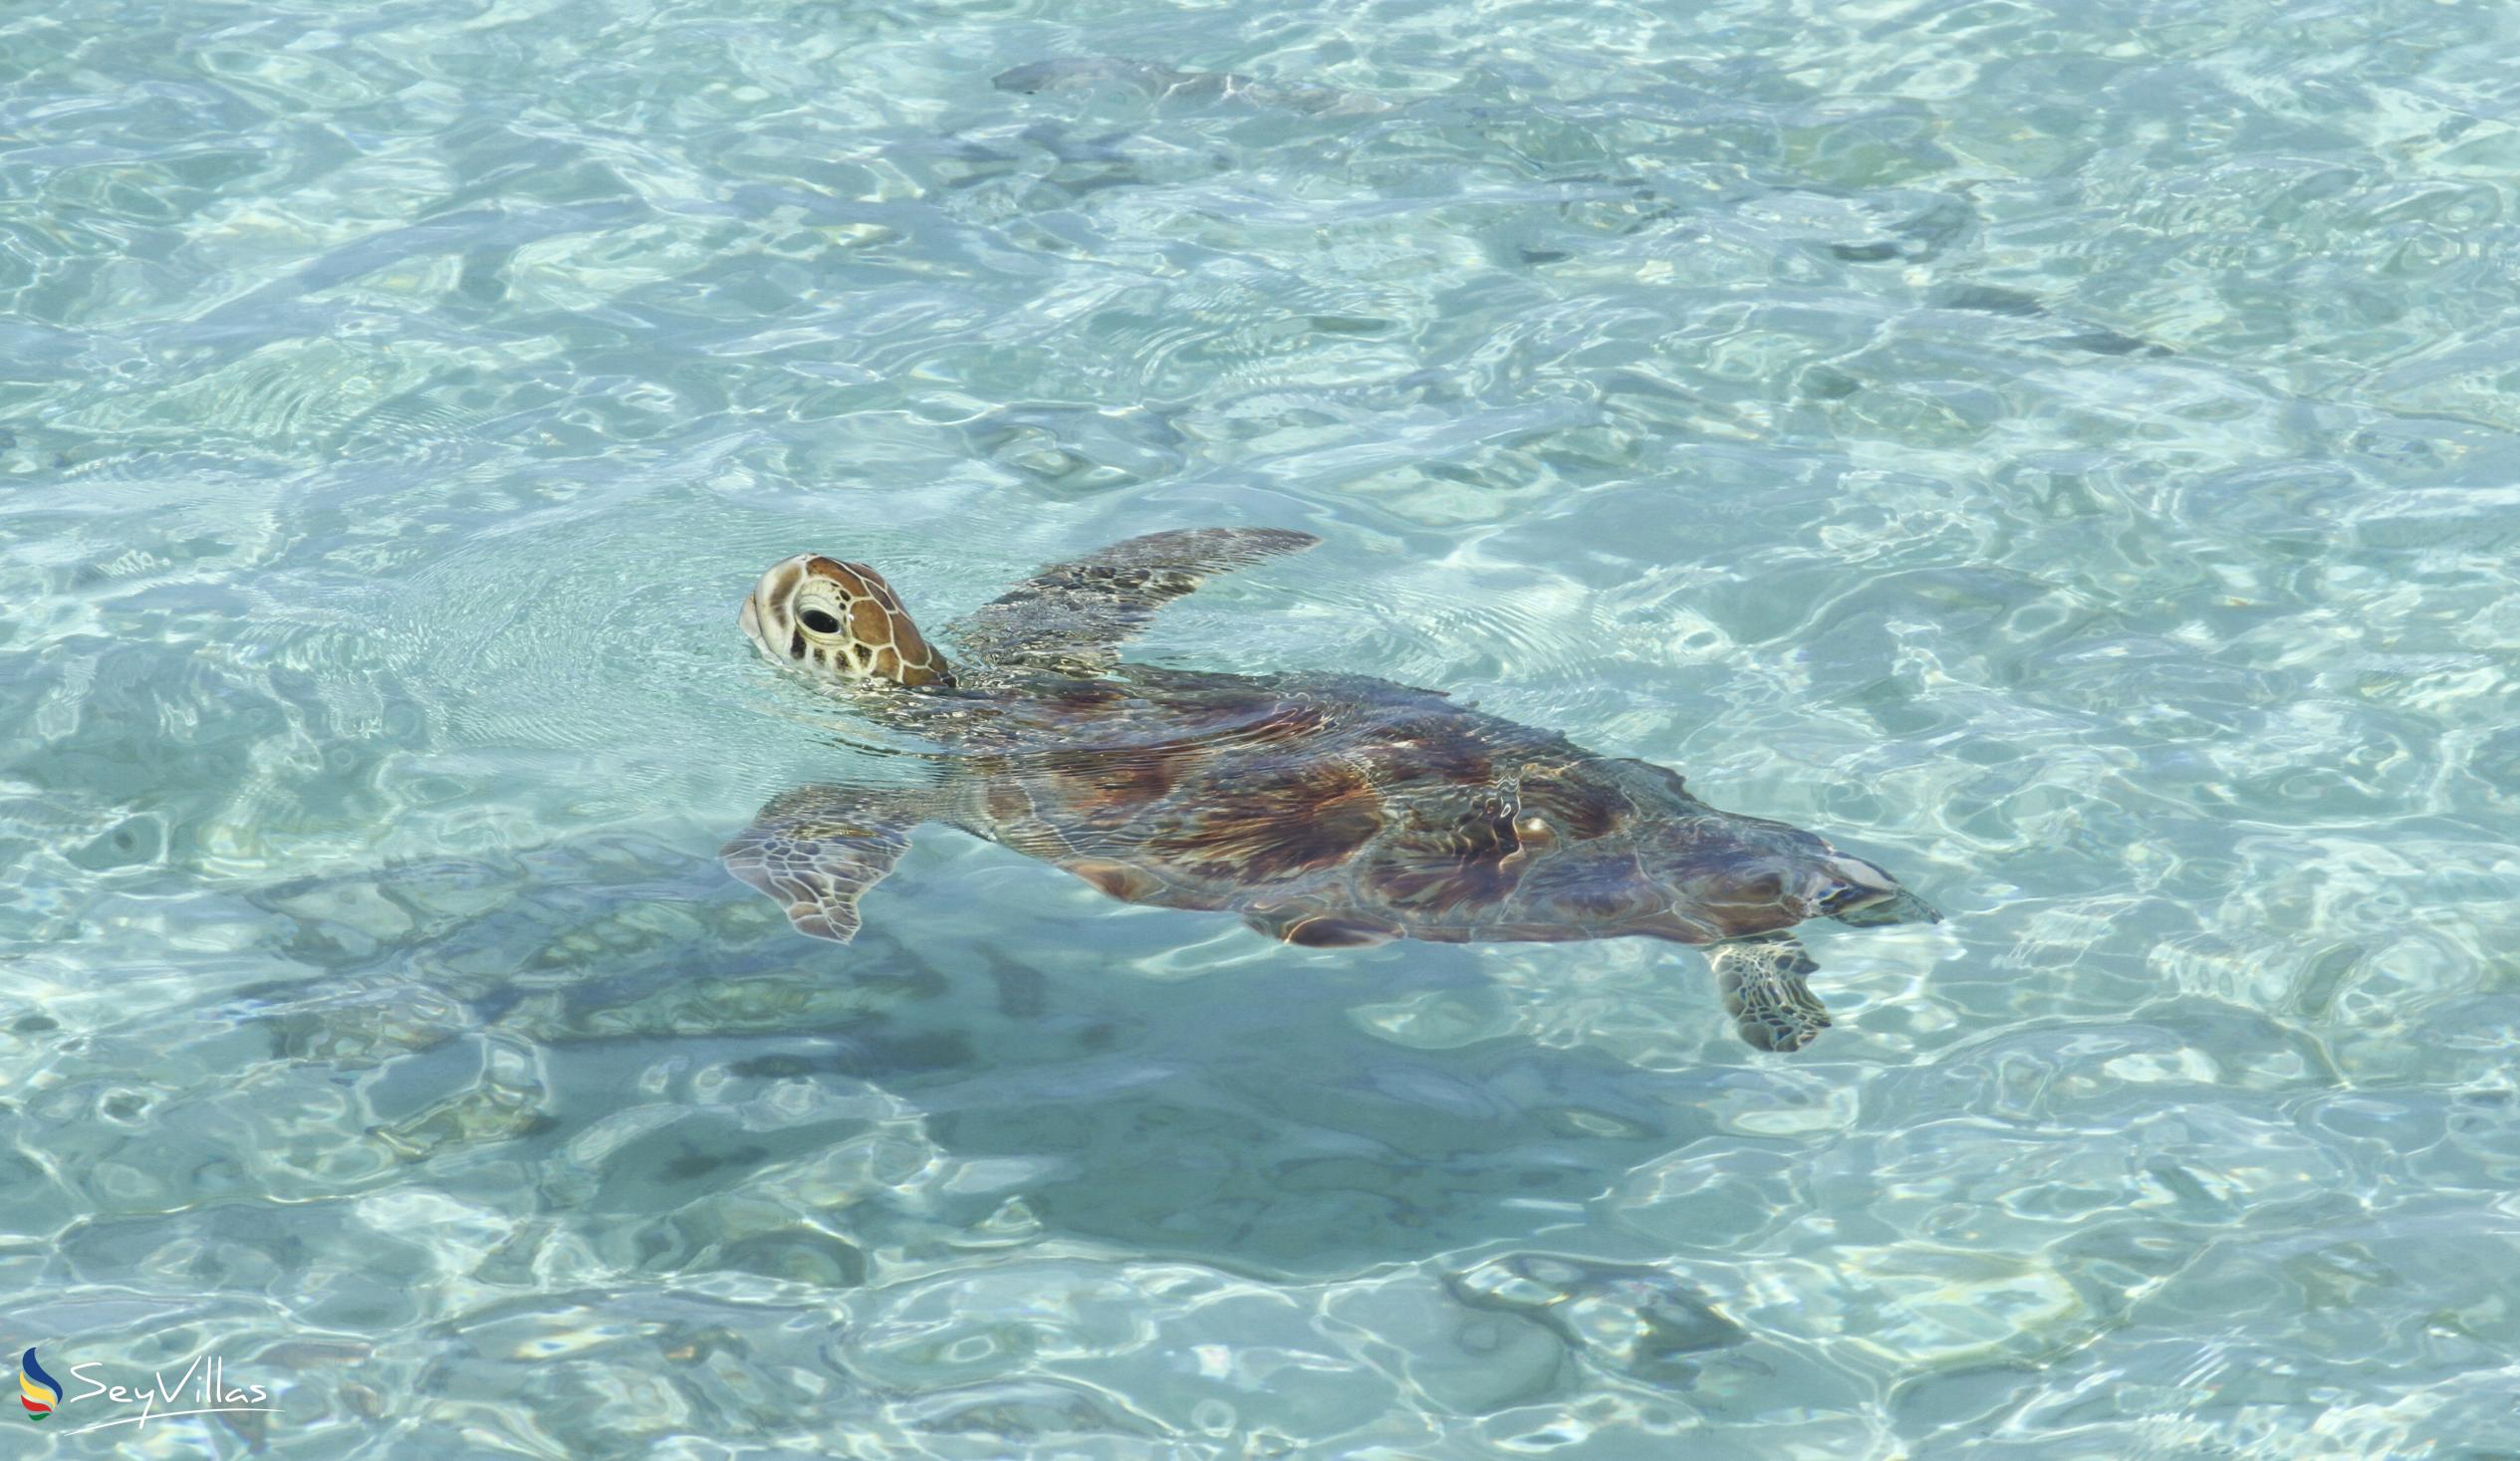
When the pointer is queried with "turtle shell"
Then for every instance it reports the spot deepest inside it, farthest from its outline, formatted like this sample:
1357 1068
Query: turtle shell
1333 810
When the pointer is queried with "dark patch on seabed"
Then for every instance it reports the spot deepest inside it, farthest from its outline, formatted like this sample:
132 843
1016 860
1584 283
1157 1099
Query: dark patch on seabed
1166 1115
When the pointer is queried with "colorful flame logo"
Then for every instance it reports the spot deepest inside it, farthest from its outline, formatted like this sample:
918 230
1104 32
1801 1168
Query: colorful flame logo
37 1391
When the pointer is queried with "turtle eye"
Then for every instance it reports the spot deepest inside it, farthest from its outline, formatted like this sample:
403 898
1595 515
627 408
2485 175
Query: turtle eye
820 621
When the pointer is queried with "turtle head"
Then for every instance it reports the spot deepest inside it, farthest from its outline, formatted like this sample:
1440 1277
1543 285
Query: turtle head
839 622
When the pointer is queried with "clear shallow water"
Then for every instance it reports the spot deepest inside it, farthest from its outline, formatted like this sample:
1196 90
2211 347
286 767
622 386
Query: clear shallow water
2067 458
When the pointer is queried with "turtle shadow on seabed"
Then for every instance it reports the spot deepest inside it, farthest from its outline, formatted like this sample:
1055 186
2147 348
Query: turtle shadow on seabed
1028 1078
1247 1121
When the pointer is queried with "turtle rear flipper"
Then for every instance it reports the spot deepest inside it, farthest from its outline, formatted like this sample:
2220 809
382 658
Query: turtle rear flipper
1868 898
1901 907
1082 610
1763 989
817 848
1320 927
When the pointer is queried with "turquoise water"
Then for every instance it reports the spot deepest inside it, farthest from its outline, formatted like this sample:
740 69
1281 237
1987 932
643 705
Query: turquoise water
2066 457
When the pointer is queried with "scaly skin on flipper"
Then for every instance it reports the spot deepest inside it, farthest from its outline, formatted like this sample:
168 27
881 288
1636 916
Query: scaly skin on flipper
1075 614
1763 989
816 848
1323 808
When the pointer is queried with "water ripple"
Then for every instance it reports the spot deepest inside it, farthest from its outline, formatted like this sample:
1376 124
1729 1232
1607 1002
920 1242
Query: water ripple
2064 454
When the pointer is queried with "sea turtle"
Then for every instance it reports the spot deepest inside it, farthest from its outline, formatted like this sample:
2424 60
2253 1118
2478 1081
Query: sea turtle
1324 809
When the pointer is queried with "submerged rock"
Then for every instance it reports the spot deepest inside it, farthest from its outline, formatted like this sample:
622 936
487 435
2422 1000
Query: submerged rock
1632 1318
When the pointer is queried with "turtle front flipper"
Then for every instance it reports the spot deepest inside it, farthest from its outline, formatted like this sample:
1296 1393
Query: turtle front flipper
817 848
1763 989
1080 611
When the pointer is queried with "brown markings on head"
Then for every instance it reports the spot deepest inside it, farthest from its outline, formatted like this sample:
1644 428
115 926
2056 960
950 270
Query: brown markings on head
870 621
866 634
1278 822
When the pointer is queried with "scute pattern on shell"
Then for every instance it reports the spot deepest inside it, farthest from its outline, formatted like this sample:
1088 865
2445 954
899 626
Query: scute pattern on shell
1303 798
1272 824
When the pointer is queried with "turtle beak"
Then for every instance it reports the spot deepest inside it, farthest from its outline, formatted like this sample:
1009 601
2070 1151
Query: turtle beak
750 618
